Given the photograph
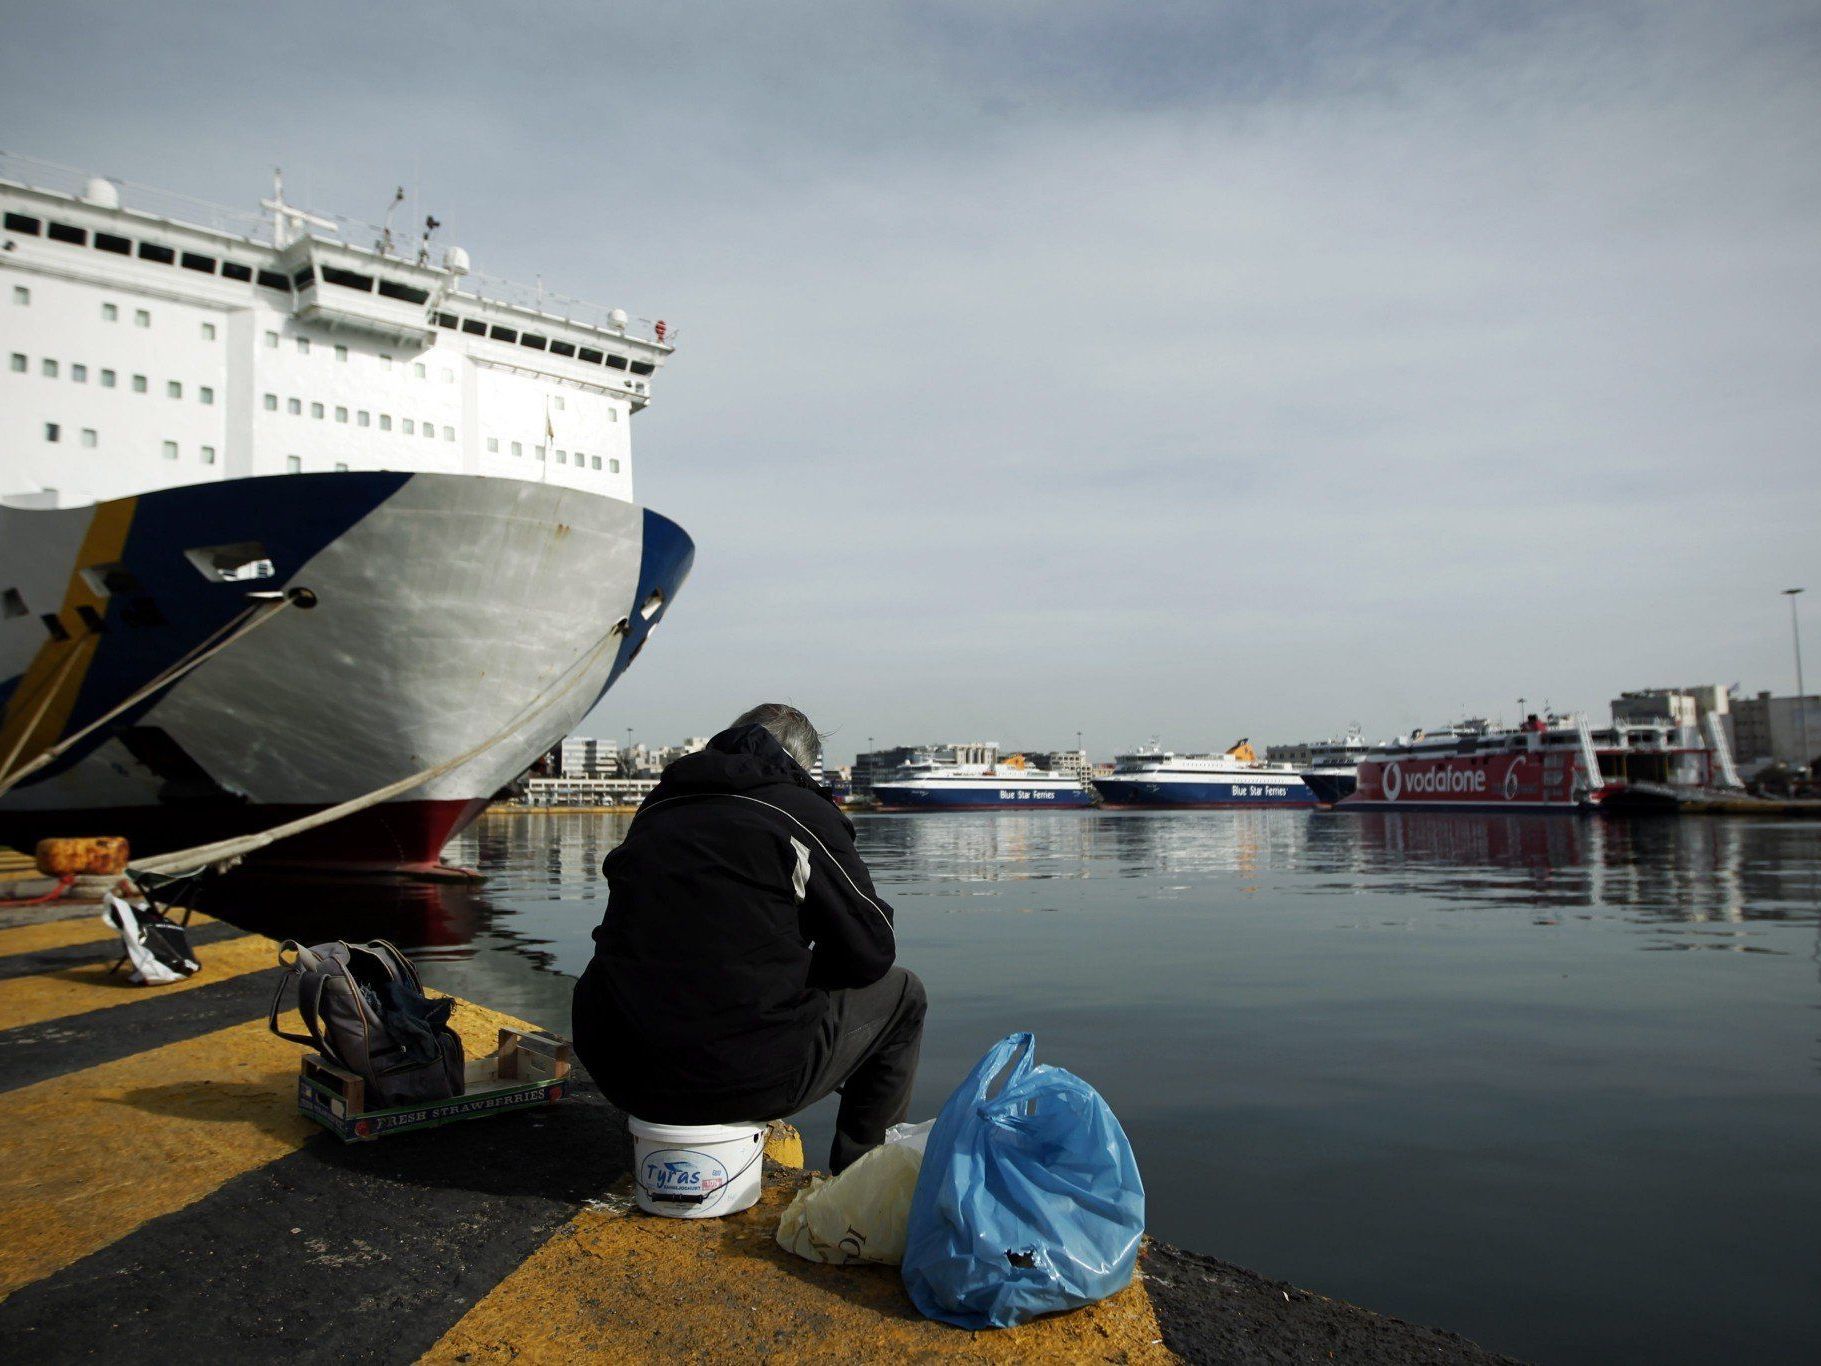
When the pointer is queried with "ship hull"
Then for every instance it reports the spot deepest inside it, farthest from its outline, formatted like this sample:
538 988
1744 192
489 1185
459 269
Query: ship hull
392 839
1519 781
452 612
1008 797
1205 794
1330 785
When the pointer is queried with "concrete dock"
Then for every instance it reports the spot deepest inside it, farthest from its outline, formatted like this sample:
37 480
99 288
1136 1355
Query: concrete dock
162 1195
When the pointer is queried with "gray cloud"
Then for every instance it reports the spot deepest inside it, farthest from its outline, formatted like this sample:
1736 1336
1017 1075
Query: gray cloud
1197 370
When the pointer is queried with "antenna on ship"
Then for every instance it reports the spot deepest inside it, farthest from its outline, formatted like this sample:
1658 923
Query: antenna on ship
384 245
286 217
431 224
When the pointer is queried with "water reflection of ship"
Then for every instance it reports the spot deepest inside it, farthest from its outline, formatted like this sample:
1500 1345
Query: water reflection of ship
1018 846
420 917
1472 839
1658 868
1244 840
541 849
1661 868
1011 846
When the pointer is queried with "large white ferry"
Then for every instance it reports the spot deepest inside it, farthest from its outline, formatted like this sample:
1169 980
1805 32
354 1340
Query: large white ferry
923 784
210 422
1155 777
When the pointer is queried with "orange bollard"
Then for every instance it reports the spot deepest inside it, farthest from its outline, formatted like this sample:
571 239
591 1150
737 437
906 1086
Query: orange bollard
94 856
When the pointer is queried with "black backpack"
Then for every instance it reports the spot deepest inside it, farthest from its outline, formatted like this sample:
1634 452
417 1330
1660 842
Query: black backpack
366 1011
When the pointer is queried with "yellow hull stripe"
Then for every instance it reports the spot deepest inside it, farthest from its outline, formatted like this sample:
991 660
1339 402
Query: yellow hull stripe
103 544
93 1155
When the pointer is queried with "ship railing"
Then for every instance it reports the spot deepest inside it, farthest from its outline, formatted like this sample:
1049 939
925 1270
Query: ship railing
37 174
149 200
562 307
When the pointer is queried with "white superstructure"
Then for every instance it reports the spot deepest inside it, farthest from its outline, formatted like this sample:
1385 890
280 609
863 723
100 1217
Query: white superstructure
926 783
142 351
207 417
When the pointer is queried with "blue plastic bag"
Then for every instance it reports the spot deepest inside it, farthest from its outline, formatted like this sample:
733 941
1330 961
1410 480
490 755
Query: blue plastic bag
1028 1201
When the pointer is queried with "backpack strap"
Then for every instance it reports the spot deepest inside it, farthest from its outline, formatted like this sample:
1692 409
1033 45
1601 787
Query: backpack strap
401 968
303 961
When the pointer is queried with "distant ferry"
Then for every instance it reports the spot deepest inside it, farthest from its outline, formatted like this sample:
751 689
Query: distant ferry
1333 768
1538 766
1153 777
1548 763
925 785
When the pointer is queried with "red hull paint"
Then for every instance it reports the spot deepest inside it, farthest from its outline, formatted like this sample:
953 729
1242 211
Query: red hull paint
391 839
1497 780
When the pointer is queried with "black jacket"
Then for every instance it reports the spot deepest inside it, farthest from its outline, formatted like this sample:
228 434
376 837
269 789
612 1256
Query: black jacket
735 904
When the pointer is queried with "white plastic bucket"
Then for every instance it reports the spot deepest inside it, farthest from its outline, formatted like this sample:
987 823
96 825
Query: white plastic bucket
699 1171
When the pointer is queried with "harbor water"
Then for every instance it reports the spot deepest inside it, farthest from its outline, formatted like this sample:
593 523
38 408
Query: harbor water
1551 1082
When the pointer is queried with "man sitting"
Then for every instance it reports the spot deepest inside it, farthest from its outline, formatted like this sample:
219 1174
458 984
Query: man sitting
743 969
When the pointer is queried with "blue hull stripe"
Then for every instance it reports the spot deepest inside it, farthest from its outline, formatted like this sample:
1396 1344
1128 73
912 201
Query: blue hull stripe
665 556
173 609
1214 792
980 798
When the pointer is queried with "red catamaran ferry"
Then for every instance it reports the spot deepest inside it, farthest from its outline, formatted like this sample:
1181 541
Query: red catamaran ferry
1535 767
1552 764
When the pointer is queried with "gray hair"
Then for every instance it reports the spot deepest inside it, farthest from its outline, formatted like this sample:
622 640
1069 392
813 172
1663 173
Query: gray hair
791 727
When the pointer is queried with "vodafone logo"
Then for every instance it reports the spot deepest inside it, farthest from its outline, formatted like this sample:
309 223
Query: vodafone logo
1511 781
1436 782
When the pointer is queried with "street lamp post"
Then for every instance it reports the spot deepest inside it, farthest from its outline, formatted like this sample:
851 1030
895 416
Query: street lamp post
1795 630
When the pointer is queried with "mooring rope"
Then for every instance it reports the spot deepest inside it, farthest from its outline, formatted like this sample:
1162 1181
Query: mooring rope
236 628
221 851
51 686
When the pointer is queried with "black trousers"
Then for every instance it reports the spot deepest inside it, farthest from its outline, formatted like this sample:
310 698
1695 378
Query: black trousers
867 1050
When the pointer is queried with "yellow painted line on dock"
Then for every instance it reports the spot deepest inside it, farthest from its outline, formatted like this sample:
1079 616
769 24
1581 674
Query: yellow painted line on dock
92 1155
635 1288
60 934
90 986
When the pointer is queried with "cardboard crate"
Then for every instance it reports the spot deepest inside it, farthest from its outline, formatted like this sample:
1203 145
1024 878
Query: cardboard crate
531 1068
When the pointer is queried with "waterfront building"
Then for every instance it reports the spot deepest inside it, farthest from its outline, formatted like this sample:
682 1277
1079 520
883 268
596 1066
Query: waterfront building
586 791
1687 706
584 756
1770 728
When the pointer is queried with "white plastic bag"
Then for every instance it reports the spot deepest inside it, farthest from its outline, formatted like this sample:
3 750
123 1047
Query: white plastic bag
862 1214
158 949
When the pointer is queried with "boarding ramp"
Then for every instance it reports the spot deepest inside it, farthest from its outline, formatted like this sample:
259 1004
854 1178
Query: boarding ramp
1722 750
1590 758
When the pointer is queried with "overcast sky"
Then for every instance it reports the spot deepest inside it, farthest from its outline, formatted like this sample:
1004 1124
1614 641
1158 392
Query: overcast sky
1190 370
